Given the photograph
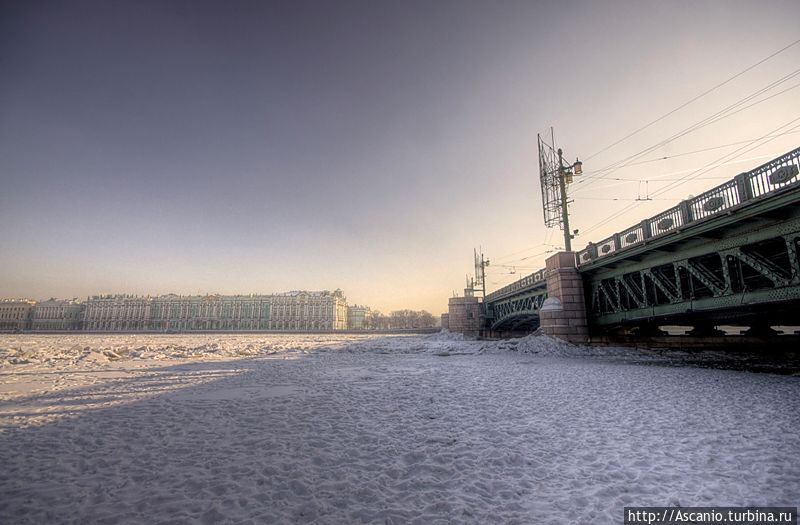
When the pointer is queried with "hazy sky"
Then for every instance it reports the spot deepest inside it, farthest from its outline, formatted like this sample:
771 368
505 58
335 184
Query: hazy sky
256 147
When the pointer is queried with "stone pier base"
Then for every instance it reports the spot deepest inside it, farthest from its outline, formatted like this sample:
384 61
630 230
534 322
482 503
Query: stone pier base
563 314
464 315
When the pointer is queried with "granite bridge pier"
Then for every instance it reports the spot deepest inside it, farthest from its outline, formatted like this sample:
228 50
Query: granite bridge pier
726 257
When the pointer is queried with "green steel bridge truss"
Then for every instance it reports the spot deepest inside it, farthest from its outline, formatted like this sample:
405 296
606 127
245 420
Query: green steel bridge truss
517 310
743 275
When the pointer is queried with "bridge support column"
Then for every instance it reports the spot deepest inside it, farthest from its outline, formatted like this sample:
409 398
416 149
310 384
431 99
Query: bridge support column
563 314
464 314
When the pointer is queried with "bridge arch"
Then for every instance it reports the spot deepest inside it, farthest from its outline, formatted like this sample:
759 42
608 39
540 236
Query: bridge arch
517 312
519 321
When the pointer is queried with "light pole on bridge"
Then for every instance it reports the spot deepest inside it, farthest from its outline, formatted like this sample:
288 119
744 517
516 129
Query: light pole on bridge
565 173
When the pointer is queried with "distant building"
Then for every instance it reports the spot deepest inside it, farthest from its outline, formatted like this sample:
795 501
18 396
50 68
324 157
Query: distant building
58 315
357 317
309 311
210 312
299 311
15 314
117 313
293 311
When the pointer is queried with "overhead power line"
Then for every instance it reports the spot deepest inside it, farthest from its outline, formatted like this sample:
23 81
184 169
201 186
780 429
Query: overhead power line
595 174
772 135
723 113
516 267
698 97
504 258
625 199
709 167
633 205
662 178
521 259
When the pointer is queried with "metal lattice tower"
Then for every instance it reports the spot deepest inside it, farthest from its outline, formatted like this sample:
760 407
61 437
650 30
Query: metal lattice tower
549 176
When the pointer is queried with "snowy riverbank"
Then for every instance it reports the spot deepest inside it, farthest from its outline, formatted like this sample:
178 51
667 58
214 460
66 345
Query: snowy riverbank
359 429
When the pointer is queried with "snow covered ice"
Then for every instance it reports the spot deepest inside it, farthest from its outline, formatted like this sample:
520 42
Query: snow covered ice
375 429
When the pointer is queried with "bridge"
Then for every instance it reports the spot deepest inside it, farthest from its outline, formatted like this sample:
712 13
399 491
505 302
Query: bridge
727 256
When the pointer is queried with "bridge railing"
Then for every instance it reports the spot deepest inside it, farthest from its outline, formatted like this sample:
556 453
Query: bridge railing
521 284
759 182
713 201
775 174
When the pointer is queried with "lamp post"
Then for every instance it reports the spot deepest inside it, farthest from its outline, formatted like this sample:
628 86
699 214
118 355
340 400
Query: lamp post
565 173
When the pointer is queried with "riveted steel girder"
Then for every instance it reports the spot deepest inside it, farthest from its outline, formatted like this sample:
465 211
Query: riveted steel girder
522 305
736 271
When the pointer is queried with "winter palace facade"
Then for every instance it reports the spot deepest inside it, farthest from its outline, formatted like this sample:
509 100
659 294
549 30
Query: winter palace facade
293 311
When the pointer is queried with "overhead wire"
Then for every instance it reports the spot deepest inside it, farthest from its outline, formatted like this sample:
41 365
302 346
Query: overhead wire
624 199
521 259
661 178
688 177
703 150
504 258
716 117
769 137
617 214
702 124
694 99
593 174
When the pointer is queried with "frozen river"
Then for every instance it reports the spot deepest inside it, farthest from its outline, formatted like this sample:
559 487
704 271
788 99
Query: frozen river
356 429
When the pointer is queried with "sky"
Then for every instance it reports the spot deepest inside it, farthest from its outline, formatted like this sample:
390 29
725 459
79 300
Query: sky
259 147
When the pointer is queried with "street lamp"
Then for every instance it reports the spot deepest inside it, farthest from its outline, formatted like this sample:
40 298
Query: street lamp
565 174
